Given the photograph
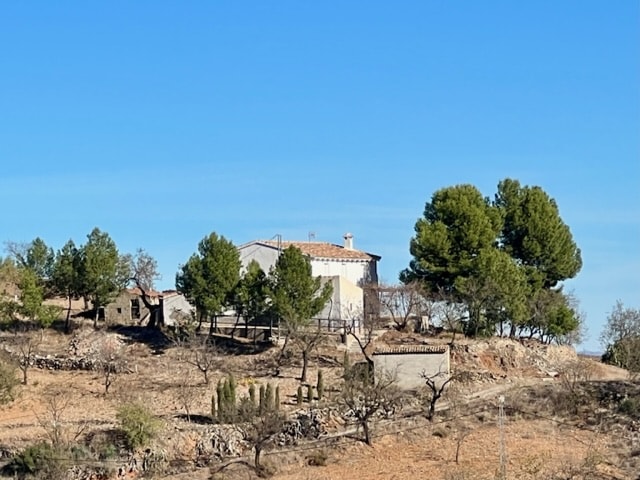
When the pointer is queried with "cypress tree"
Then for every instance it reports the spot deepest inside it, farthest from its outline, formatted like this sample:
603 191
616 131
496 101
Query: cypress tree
262 406
268 398
310 393
276 400
299 395
252 394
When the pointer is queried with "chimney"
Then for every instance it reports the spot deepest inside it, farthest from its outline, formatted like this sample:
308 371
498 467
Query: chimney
348 241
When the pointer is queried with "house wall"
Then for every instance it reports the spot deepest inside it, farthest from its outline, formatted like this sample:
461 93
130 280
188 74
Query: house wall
358 272
175 308
408 367
265 256
346 301
119 311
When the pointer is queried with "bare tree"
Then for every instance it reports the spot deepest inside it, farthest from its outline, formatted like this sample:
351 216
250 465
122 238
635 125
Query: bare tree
27 346
259 431
144 269
451 314
110 360
398 302
199 351
57 400
187 393
436 385
365 394
362 326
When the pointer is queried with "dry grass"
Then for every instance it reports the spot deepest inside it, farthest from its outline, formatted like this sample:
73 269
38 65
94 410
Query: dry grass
537 448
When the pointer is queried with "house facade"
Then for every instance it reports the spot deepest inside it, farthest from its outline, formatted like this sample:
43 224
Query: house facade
129 309
409 363
346 268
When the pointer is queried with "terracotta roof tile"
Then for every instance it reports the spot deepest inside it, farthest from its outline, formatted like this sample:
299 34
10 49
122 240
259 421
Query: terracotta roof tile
408 349
324 250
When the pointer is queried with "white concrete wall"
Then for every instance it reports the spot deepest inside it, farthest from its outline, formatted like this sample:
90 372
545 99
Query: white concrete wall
346 300
265 256
408 367
176 306
357 272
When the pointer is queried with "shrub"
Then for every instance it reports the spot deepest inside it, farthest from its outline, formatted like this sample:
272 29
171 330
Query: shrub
138 424
630 406
317 458
40 458
8 380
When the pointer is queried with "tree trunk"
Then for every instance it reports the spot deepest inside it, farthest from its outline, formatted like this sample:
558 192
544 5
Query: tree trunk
24 371
67 321
256 457
305 364
367 432
95 317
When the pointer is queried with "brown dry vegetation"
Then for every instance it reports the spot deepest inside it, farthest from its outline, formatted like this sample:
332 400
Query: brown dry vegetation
542 442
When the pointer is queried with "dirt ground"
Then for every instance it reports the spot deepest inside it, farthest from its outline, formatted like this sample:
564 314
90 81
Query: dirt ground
535 448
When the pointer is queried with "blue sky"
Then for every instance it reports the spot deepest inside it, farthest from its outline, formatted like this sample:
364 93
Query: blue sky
160 122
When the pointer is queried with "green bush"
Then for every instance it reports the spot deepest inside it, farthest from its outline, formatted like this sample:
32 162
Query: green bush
35 459
8 380
630 406
138 424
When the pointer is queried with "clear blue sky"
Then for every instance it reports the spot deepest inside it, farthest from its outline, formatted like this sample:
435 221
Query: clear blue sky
160 122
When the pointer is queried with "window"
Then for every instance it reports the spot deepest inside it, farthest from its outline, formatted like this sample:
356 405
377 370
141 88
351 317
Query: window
119 310
135 308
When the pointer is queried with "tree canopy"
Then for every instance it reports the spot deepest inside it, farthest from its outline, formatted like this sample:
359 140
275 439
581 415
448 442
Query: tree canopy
210 276
497 257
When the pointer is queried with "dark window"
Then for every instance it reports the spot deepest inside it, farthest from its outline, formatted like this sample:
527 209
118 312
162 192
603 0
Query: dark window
135 308
101 313
119 310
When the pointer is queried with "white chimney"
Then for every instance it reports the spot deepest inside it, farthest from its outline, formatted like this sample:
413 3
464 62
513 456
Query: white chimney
348 241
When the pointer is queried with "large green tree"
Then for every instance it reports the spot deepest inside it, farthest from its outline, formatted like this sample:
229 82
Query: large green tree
535 235
35 256
103 272
251 298
457 225
66 275
495 293
297 297
209 278
500 258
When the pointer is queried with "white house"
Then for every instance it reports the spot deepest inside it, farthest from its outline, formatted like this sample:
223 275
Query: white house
345 267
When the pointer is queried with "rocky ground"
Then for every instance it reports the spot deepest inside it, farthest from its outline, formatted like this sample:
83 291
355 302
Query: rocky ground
543 446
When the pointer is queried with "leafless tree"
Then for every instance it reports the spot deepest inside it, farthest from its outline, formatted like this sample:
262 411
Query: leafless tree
436 384
144 269
57 400
398 302
198 351
366 394
259 431
362 327
27 346
110 359
451 314
187 392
